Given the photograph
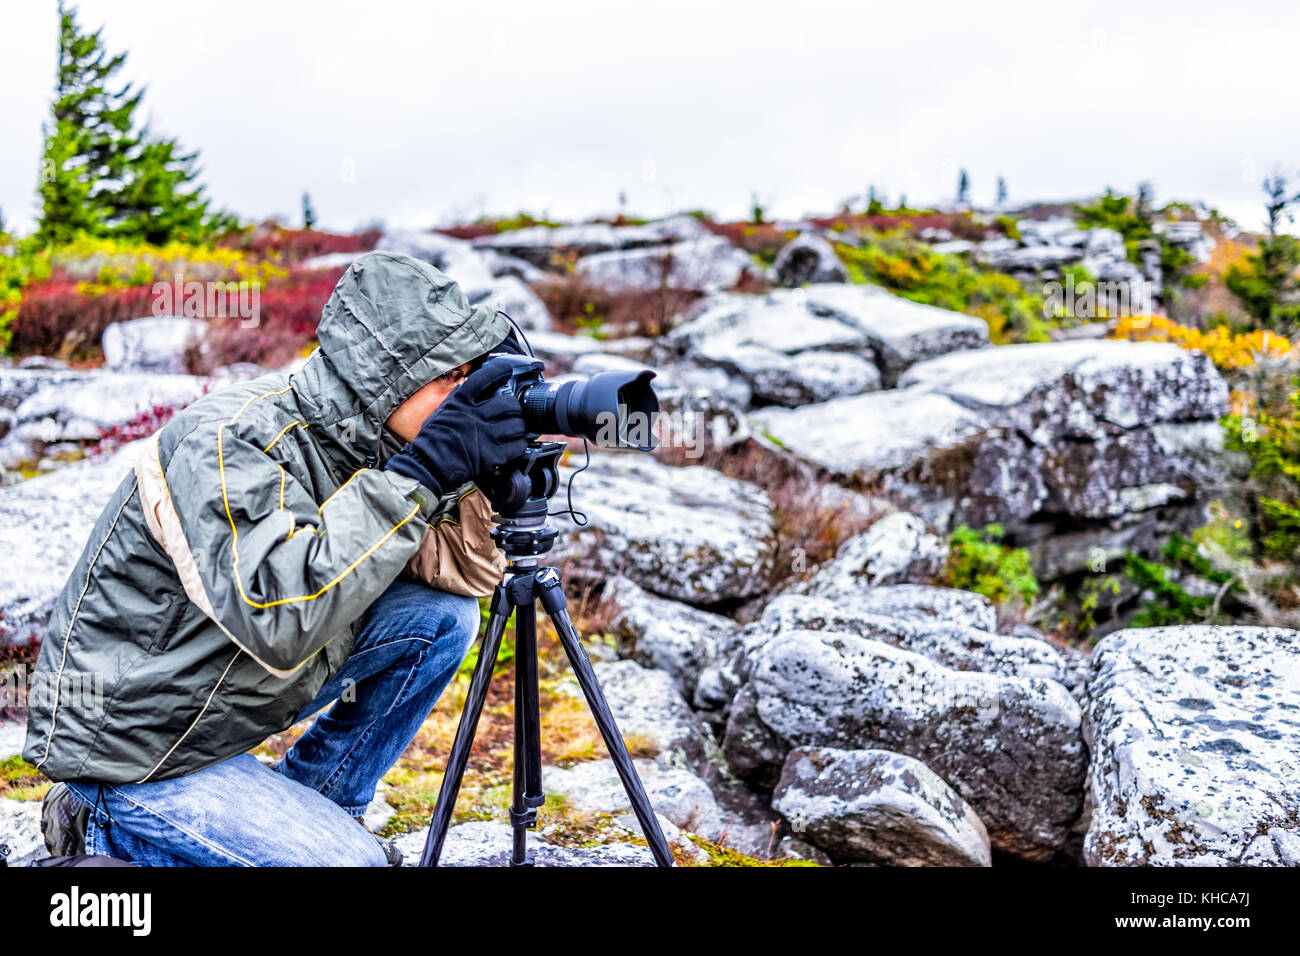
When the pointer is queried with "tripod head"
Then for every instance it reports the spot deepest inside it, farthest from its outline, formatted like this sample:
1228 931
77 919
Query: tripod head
521 494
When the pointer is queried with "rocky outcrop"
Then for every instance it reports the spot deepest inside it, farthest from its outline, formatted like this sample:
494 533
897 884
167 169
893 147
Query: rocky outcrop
549 247
489 843
513 297
1010 746
808 258
691 534
1195 744
880 807
897 549
1111 442
706 264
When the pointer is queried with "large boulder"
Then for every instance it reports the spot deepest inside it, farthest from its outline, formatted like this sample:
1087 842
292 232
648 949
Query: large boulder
1195 744
880 807
151 343
900 331
1081 390
691 534
513 297
675 793
706 264
489 843
667 635
1078 448
897 549
77 406
792 380
44 524
1009 745
808 258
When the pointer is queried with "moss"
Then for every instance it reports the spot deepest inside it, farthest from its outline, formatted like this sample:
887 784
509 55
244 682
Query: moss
725 856
19 780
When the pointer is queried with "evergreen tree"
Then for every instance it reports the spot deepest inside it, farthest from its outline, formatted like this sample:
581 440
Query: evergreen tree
963 187
100 175
309 214
1266 283
1002 191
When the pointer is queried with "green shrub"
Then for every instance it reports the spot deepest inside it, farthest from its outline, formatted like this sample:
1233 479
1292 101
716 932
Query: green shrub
915 271
979 562
1170 602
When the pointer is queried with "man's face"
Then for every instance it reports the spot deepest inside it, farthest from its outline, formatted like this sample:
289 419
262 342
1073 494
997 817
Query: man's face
407 418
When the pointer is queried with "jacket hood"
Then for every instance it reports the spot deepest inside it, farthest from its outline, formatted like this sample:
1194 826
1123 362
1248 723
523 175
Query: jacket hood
392 324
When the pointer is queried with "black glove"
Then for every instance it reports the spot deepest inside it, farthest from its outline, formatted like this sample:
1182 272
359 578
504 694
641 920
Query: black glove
475 428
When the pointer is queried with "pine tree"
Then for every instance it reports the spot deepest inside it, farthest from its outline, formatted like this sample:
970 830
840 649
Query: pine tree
1265 283
1002 192
100 175
309 214
963 187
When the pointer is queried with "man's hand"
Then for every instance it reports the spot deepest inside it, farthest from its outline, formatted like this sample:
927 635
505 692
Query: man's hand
473 430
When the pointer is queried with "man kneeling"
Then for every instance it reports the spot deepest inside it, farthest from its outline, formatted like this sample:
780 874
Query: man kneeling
282 544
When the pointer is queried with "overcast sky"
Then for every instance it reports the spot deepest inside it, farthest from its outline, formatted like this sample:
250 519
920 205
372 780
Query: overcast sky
427 113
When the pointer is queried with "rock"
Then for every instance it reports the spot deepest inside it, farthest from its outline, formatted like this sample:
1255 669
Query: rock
515 299
675 794
706 264
951 643
646 704
891 431
64 507
808 258
1071 446
897 549
489 843
1010 746
1080 389
882 807
77 409
691 534
151 344
330 261
503 265
805 377
666 635
12 733
792 848
900 331
543 246
559 349
1195 747
779 322
42 363
20 829
456 257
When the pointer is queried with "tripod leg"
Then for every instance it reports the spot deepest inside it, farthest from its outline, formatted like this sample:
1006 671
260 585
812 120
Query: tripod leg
465 729
552 597
528 745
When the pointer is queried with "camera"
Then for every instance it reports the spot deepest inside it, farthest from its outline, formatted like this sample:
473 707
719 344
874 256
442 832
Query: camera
610 409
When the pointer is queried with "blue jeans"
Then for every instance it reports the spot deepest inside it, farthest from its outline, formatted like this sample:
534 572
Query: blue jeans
299 812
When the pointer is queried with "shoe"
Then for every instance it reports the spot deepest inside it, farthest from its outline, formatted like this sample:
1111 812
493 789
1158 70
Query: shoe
63 821
391 853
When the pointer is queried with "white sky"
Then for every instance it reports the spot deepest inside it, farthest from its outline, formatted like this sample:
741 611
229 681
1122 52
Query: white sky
440 112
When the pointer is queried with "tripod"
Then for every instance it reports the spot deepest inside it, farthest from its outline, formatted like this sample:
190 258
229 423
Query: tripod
526 534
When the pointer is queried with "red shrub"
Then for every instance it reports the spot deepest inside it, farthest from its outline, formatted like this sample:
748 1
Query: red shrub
55 319
295 245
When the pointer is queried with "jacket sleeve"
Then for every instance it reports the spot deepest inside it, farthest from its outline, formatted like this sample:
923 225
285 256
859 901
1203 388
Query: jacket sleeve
279 573
458 554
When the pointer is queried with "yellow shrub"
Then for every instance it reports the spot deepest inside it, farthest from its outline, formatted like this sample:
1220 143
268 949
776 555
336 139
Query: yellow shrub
1226 349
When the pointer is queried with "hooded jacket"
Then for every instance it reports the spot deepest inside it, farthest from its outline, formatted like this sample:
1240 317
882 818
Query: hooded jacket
227 576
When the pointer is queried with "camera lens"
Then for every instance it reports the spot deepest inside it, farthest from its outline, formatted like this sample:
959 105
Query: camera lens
612 409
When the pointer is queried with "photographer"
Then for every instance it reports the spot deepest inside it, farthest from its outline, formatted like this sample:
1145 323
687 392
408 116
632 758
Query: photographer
293 541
